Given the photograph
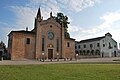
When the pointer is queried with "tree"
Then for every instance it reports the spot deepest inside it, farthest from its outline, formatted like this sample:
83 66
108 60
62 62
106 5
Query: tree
62 19
2 44
6 55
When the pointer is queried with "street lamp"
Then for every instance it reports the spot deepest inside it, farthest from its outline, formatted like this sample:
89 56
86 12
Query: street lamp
76 56
57 56
43 56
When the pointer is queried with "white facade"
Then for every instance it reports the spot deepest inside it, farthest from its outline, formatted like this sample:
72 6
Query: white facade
104 46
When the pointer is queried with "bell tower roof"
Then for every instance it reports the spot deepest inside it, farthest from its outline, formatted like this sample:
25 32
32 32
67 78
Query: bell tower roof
51 14
39 13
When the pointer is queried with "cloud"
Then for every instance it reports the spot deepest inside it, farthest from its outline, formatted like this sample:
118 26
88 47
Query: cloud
5 29
79 5
76 5
111 17
47 5
24 16
56 5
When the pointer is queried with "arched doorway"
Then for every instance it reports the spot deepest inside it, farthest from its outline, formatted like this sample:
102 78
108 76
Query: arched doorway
102 54
50 51
92 52
115 55
97 52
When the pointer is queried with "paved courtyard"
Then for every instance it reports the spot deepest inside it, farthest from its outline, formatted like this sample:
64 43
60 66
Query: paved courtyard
115 60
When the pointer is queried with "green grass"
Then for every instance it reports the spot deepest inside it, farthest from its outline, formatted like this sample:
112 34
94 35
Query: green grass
61 72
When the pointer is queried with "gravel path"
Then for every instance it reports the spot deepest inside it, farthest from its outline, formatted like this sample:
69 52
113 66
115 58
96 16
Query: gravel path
115 60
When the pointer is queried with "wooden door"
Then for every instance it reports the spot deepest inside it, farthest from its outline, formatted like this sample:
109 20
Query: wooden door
50 53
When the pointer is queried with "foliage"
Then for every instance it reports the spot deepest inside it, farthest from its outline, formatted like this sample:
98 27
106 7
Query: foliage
61 72
63 20
5 55
2 44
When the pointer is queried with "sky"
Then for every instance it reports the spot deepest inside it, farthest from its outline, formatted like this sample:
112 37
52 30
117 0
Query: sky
88 18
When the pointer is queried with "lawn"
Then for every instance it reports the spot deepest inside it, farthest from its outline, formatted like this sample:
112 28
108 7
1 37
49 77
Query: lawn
61 72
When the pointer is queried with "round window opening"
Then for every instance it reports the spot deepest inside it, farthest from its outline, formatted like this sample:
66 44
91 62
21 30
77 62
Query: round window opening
50 35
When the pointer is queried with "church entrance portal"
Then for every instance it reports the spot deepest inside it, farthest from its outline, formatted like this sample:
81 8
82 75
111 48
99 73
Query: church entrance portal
50 53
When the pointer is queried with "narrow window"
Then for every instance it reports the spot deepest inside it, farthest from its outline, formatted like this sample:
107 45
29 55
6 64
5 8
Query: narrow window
43 42
57 45
91 45
75 47
98 45
79 46
28 41
109 44
84 46
68 44
50 26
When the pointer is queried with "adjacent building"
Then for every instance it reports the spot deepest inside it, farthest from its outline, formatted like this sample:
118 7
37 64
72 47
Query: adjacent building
104 46
45 40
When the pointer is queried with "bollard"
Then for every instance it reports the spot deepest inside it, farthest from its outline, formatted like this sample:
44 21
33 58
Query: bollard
51 59
2 59
64 59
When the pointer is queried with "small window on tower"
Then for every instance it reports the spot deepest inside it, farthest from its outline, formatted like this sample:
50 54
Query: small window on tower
28 41
50 26
68 44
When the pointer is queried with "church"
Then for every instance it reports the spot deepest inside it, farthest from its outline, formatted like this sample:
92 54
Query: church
46 40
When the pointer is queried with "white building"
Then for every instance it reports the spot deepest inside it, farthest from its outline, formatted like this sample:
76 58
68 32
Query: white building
104 46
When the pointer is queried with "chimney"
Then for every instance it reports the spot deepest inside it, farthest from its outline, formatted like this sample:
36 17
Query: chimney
26 28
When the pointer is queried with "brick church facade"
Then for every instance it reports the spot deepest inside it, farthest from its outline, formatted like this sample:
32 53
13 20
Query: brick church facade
45 40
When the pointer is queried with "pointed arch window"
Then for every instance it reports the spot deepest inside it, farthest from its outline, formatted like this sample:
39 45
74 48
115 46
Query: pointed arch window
43 44
28 41
57 42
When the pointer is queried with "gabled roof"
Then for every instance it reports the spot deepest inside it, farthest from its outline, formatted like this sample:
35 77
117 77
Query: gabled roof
22 31
70 38
92 39
39 13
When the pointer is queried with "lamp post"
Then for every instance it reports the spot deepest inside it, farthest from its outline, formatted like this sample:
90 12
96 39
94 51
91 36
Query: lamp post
76 56
43 56
57 56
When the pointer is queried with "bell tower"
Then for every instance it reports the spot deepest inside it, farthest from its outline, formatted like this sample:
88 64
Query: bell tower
39 18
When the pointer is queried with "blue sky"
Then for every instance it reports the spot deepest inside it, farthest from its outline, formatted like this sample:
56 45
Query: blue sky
88 18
